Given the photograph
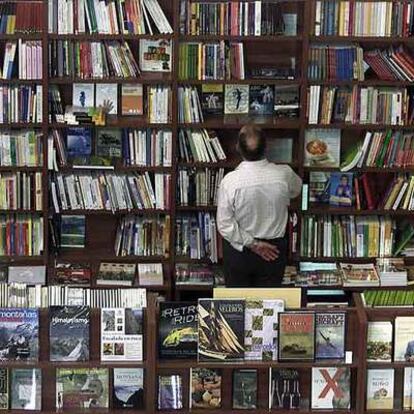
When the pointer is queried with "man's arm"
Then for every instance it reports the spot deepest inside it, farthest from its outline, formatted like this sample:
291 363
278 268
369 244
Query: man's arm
294 183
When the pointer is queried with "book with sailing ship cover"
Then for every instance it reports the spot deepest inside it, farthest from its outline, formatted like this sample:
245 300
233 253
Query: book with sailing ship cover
220 329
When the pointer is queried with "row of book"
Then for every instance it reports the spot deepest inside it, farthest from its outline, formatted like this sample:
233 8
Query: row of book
143 236
110 191
198 274
21 191
199 145
388 298
21 235
21 17
347 236
236 19
21 104
91 59
21 149
359 105
114 17
211 61
198 187
29 60
196 236
375 19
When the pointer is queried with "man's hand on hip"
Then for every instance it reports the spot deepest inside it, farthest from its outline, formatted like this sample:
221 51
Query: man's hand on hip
265 250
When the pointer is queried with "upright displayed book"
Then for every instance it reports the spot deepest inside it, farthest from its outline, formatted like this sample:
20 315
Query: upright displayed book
26 389
128 388
379 341
404 338
236 99
322 147
244 389
170 392
4 389
330 335
205 388
380 389
284 389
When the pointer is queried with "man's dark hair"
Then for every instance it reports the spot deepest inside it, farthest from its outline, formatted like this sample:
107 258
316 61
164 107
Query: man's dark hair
251 143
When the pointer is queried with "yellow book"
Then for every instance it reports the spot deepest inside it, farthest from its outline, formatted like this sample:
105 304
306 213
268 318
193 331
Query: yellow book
373 236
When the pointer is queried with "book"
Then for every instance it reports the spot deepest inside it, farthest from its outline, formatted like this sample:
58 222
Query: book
380 389
170 392
322 147
407 403
78 142
319 187
379 341
4 389
286 102
284 389
220 329
331 388
107 97
340 189
79 388
20 334
30 275
212 99
69 333
205 388
177 330
132 99
72 274
26 389
330 335
83 95
117 274
121 334
128 389
109 143
155 55
72 231
244 389
236 99
261 99
150 274
355 274
404 338
296 336
279 150
261 329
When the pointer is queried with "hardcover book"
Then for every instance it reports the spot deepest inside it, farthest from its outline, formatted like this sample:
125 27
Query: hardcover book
380 389
109 143
128 389
120 274
121 334
296 336
331 388
330 335
244 389
170 392
4 389
205 388
220 329
404 338
26 389
155 55
212 99
83 95
69 333
107 97
132 99
379 341
78 142
80 388
322 147
177 330
236 99
19 339
261 99
341 189
284 389
29 275
261 328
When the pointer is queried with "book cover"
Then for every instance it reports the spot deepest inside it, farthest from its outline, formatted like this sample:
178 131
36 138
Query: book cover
380 389
29 275
109 143
279 150
322 147
78 388
286 102
379 341
69 333
408 389
155 55
220 329
118 274
284 389
330 335
78 142
331 388
72 231
128 389
132 100
72 274
319 187
4 389
83 95
341 189
296 336
170 392
244 389
261 98
236 99
150 274
19 334
205 388
26 389
121 334
177 330
107 97
404 338
212 99
261 328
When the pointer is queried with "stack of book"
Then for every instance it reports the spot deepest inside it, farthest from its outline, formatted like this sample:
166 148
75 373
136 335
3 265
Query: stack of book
392 271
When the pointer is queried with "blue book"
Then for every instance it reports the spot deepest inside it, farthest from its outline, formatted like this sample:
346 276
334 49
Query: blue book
341 189
78 142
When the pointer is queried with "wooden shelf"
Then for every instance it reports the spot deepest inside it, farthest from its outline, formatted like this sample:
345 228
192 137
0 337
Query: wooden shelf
117 168
15 168
113 213
196 208
383 170
23 36
255 81
145 77
123 122
353 212
368 82
273 39
101 37
361 39
361 127
235 121
193 287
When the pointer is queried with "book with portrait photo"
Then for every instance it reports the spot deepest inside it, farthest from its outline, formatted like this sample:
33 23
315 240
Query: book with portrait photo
212 99
261 99
341 189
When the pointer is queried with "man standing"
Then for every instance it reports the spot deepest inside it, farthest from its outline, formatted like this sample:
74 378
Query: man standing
252 214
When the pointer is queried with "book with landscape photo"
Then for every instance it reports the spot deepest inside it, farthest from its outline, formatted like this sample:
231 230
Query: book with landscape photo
128 389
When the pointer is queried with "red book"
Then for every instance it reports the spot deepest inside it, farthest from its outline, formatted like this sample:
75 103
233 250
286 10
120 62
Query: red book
368 192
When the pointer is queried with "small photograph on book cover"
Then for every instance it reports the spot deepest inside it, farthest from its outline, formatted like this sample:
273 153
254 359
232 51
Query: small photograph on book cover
322 147
212 99
341 189
79 142
261 99
205 388
128 389
109 143
330 335
236 99
155 55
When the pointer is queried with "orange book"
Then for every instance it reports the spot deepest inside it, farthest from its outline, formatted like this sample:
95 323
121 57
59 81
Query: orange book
132 99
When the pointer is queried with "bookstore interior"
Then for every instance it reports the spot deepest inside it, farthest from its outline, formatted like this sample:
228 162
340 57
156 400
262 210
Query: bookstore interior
118 121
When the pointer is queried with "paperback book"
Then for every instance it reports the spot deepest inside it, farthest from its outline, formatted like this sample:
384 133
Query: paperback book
150 274
83 95
128 389
26 389
341 189
236 99
107 97
109 143
380 389
284 389
404 339
4 389
205 388
261 99
155 55
72 231
245 389
212 99
330 335
79 142
30 275
170 392
119 274
322 147
132 100
379 341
